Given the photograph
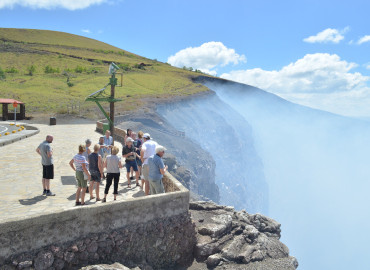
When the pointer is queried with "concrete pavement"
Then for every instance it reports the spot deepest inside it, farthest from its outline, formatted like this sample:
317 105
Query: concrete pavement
21 172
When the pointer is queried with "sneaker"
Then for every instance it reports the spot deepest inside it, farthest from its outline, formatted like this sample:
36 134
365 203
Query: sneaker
131 178
44 193
104 200
78 203
49 193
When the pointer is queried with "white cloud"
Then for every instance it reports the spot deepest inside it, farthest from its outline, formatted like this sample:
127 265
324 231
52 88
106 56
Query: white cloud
327 35
363 39
320 72
320 80
50 4
367 66
206 57
86 31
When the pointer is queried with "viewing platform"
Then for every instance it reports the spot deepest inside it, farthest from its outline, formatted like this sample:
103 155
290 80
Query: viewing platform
42 221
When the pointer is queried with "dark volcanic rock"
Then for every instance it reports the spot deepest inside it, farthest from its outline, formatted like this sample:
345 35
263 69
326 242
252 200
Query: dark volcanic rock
183 156
227 239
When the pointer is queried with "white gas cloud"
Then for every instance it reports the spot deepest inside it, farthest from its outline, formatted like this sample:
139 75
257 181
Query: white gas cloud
328 35
364 39
50 4
86 31
206 57
320 80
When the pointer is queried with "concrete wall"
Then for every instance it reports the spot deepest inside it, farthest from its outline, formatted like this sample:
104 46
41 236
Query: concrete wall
34 235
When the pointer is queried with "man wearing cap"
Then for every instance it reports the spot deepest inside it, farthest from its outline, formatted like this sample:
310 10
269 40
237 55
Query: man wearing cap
147 150
129 152
156 171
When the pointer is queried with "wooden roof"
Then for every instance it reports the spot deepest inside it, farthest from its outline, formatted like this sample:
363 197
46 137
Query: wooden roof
9 101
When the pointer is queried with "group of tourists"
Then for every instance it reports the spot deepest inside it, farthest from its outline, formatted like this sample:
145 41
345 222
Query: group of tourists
142 155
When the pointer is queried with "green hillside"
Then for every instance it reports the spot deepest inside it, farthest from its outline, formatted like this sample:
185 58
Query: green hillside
50 71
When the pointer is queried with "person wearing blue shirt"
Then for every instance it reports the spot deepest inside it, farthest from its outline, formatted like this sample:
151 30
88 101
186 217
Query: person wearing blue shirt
108 141
156 171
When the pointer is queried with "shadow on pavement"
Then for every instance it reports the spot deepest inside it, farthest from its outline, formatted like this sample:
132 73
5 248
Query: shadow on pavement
68 180
140 193
33 200
72 197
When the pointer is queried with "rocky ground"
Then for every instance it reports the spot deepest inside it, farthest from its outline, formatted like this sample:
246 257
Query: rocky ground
227 239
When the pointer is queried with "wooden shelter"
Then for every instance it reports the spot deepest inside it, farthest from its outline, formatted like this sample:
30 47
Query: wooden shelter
9 115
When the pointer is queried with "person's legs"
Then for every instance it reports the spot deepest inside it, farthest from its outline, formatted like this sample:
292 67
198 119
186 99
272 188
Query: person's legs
146 177
44 186
107 185
128 168
78 192
134 167
160 187
157 187
151 187
83 194
97 191
47 184
48 174
91 188
137 179
128 179
116 180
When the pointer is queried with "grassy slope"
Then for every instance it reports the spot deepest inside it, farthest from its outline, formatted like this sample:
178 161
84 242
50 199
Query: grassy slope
42 93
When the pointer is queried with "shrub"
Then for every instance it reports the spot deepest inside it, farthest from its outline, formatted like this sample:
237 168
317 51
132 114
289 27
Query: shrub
49 69
11 70
31 70
70 84
2 74
124 67
121 53
139 66
98 62
80 69
92 70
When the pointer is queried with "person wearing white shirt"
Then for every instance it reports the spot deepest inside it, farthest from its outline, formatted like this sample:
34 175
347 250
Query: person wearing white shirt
147 150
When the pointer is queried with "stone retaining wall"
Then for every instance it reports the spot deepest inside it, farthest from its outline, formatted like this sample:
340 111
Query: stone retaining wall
154 229
119 134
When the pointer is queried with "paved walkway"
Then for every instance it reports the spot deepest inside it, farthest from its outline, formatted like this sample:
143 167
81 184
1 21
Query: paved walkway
21 172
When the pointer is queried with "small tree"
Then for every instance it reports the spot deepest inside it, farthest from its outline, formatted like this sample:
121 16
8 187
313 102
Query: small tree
11 70
31 70
49 69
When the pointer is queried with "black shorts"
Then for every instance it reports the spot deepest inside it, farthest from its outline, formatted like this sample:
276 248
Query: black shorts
48 171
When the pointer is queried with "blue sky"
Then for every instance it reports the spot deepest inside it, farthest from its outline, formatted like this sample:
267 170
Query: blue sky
262 43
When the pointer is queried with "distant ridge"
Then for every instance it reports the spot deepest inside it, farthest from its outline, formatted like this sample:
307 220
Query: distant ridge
67 67
49 37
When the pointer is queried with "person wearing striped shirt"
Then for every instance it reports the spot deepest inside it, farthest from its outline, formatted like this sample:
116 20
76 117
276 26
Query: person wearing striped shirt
79 164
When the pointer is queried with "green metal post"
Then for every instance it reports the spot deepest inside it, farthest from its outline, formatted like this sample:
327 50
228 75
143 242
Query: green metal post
105 114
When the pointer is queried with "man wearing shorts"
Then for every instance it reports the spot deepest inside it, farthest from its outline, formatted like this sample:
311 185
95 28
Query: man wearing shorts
46 153
129 152
147 150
